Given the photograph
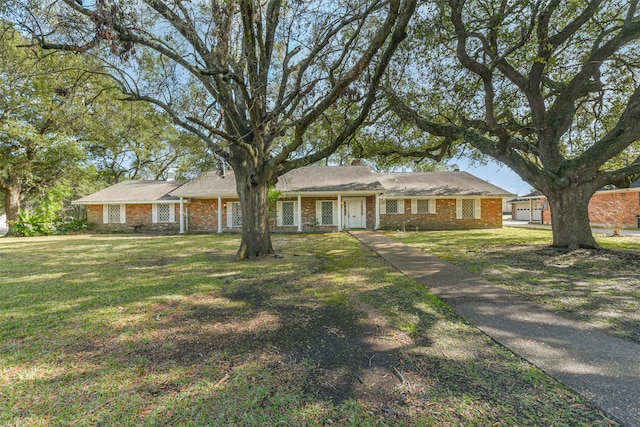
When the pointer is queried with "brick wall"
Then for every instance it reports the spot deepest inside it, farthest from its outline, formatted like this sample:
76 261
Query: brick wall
445 217
607 207
202 215
139 219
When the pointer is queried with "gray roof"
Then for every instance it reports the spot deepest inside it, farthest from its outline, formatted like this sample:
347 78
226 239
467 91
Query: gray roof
132 192
326 179
416 184
210 184
527 197
310 179
306 180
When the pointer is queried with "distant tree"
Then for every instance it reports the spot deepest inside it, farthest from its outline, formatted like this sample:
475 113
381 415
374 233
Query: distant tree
549 88
133 140
35 151
248 78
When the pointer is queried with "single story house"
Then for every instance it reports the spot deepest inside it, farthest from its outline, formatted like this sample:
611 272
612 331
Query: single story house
606 207
310 198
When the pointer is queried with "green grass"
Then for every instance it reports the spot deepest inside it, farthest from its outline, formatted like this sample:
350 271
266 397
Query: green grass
601 287
126 330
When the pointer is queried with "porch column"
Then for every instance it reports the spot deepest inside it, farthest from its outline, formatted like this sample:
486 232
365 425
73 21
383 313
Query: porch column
530 209
181 215
377 211
219 214
299 213
340 212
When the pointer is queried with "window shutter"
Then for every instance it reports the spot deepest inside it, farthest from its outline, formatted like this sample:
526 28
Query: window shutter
279 214
123 214
295 213
400 206
383 206
105 214
318 212
477 208
458 208
230 214
172 212
335 212
432 206
154 213
414 206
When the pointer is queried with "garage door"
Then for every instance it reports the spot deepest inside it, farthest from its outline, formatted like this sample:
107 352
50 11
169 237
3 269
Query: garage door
523 213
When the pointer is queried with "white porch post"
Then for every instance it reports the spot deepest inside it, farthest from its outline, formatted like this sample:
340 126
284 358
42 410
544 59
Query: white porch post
219 214
181 215
340 212
299 213
530 209
377 211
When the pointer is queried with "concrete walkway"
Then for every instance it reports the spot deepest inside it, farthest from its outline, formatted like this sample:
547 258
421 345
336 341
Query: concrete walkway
604 369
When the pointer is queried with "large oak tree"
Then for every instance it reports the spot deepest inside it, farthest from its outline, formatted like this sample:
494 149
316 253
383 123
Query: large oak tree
248 77
550 88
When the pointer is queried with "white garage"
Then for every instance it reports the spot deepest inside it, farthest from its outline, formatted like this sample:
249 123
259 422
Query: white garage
528 207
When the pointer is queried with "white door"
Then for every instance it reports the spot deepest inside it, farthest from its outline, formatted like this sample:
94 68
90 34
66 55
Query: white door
355 213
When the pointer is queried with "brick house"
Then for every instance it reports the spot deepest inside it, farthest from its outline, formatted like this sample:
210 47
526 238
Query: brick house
607 206
310 198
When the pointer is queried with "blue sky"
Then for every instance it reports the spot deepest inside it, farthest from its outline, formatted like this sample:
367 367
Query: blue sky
497 174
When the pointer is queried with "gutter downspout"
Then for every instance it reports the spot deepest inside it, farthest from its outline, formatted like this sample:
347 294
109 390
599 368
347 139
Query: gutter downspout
219 214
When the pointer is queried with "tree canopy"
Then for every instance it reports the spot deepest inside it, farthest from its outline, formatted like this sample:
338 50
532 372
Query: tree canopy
35 149
248 78
549 88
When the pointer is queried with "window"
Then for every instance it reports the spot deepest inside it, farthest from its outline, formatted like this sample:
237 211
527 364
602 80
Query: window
327 212
165 212
234 215
392 206
286 213
468 208
423 206
114 214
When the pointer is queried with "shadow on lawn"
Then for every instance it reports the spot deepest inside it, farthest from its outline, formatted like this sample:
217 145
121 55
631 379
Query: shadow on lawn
211 340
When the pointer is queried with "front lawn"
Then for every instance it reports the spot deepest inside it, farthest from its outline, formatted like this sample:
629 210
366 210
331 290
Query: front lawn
601 287
121 330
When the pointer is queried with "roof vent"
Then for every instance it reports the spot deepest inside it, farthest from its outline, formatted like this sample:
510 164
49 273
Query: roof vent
171 175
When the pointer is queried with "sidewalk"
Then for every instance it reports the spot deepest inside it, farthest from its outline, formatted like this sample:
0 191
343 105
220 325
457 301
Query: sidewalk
602 368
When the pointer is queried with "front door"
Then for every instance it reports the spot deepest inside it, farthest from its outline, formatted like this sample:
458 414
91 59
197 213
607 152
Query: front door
355 213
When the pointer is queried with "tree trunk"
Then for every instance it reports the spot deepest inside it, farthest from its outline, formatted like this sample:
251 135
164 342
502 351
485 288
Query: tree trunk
253 191
12 199
570 218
